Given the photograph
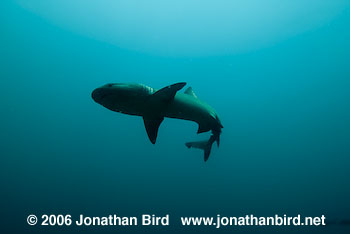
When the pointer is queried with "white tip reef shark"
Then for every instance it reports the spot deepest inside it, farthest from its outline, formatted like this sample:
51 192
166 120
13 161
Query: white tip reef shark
154 105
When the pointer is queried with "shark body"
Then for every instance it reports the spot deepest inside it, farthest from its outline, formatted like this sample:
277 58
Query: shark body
154 105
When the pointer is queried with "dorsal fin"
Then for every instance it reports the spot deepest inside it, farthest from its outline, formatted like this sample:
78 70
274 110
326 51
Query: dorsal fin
168 93
189 91
156 104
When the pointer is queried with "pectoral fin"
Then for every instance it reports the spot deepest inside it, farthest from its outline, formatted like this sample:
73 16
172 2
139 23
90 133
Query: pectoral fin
152 125
156 104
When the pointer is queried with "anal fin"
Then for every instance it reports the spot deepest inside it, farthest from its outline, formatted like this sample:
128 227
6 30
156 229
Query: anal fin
203 128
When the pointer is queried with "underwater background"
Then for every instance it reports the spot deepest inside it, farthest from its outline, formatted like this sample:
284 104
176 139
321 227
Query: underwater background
277 73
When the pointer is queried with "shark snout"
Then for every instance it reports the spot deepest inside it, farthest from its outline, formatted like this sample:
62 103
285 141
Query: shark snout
97 95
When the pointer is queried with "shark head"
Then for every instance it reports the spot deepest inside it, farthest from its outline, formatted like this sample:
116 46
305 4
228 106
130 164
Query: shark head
119 97
112 90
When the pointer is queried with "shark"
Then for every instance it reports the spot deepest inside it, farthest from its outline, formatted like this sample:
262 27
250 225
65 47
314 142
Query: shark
154 105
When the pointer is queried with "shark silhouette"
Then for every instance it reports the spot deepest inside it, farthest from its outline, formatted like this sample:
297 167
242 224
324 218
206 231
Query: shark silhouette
153 105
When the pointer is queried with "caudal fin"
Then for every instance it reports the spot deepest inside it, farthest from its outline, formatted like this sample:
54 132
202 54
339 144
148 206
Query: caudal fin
204 145
207 151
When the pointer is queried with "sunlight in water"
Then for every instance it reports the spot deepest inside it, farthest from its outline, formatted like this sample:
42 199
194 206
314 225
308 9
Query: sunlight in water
188 28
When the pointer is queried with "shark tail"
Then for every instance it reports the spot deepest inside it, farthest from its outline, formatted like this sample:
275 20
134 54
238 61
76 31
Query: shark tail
204 145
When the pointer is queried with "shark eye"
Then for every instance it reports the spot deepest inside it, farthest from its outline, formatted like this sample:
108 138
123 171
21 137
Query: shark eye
109 85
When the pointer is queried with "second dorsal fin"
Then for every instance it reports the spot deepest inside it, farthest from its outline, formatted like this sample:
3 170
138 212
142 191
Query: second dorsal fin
189 91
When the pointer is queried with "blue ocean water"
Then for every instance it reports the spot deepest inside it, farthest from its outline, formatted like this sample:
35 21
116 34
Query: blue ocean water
277 72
